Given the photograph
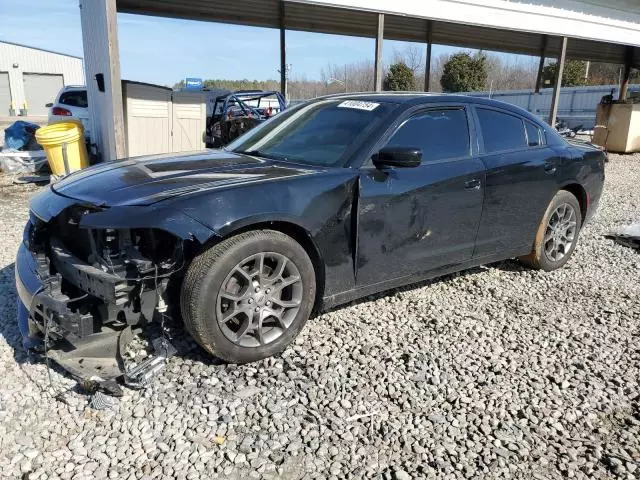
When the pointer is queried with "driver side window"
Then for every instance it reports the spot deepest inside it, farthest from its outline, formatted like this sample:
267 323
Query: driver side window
442 134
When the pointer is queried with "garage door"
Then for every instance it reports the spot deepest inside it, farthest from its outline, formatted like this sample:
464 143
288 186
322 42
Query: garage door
5 94
40 89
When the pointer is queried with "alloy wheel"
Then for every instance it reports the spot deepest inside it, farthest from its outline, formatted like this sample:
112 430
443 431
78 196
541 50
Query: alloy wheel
560 233
259 299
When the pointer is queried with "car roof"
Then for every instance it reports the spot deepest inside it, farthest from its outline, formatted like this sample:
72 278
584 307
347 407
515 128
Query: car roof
68 88
418 98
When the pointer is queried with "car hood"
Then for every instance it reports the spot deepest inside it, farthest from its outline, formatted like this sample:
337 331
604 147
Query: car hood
147 180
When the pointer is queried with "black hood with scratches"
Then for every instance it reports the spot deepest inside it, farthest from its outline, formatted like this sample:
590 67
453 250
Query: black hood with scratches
147 180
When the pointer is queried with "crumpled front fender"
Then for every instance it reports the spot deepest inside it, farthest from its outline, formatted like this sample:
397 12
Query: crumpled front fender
48 204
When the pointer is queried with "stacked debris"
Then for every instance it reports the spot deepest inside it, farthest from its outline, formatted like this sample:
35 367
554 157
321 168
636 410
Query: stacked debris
21 152
628 236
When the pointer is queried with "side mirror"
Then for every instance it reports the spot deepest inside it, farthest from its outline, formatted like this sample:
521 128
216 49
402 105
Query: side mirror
49 105
401 157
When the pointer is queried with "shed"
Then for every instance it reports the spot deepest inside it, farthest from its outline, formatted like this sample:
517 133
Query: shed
160 120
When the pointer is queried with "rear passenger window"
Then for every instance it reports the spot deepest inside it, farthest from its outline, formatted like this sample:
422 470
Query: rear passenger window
441 134
74 98
501 131
533 134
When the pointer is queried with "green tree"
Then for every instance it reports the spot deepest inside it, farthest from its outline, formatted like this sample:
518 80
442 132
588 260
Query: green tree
464 72
572 75
399 78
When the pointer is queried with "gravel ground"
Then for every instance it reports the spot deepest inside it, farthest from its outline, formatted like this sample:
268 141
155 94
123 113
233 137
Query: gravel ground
498 372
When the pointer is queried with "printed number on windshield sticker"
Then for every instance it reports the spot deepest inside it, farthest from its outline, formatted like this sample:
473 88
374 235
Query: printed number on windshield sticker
368 106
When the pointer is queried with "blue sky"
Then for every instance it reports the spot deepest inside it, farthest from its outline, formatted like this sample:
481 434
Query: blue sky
162 50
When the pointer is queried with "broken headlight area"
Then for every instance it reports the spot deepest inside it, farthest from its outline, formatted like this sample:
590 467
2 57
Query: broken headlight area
98 288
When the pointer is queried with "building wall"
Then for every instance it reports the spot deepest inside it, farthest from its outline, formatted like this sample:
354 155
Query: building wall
33 60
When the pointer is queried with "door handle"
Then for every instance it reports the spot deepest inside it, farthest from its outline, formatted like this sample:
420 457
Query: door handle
472 184
550 167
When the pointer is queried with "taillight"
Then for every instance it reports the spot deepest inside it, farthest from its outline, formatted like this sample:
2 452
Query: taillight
60 111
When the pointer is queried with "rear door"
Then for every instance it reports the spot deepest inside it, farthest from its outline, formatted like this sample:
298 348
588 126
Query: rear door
521 181
418 219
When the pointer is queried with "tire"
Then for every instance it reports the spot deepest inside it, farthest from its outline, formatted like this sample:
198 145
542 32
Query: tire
234 279
542 256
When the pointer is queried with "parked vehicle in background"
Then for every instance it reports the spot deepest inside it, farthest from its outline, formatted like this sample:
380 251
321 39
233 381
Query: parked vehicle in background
71 102
332 200
238 112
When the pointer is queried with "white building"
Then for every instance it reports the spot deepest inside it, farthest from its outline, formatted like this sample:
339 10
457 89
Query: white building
31 77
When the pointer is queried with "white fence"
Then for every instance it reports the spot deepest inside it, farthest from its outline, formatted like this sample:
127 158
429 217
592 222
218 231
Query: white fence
577 104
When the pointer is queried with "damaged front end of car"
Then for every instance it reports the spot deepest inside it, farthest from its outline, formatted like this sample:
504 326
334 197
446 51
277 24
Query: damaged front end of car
85 291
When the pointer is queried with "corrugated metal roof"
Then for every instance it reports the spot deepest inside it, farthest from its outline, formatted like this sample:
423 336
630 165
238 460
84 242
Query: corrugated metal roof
345 21
257 13
39 49
316 18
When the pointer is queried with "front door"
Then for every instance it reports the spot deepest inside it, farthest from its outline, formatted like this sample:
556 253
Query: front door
418 219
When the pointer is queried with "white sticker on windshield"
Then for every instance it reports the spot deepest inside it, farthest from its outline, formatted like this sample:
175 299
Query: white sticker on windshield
368 106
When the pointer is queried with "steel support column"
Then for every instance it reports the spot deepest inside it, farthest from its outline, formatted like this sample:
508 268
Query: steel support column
102 76
283 53
557 84
427 63
543 54
378 64
624 84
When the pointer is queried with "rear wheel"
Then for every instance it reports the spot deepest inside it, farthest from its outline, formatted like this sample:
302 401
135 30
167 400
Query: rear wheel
557 234
248 297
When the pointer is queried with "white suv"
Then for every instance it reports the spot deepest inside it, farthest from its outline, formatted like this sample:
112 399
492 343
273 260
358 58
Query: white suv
72 102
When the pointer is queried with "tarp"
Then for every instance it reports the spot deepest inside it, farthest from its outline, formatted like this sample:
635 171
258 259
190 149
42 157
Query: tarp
19 135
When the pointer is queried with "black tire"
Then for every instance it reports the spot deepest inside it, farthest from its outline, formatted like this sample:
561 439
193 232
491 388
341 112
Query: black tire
204 280
539 258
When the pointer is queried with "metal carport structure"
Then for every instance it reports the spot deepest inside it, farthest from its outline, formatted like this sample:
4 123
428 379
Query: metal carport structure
597 30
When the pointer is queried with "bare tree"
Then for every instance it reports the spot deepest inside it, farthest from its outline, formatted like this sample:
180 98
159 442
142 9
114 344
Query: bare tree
413 57
510 73
352 77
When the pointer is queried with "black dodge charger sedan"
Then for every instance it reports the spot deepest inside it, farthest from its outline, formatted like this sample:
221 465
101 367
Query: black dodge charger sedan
332 200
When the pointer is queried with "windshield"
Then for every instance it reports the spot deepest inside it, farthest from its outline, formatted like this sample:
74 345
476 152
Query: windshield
324 133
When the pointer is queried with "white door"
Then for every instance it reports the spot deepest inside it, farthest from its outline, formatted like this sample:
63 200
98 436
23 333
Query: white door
5 94
189 122
147 112
40 89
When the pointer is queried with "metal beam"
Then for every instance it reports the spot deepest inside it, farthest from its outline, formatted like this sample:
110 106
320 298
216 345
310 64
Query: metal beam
427 63
543 54
283 53
102 75
557 85
624 84
378 65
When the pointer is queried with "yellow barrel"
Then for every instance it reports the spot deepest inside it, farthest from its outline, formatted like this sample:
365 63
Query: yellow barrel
57 137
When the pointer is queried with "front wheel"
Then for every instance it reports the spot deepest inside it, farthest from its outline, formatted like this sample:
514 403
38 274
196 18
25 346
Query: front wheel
247 297
557 233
